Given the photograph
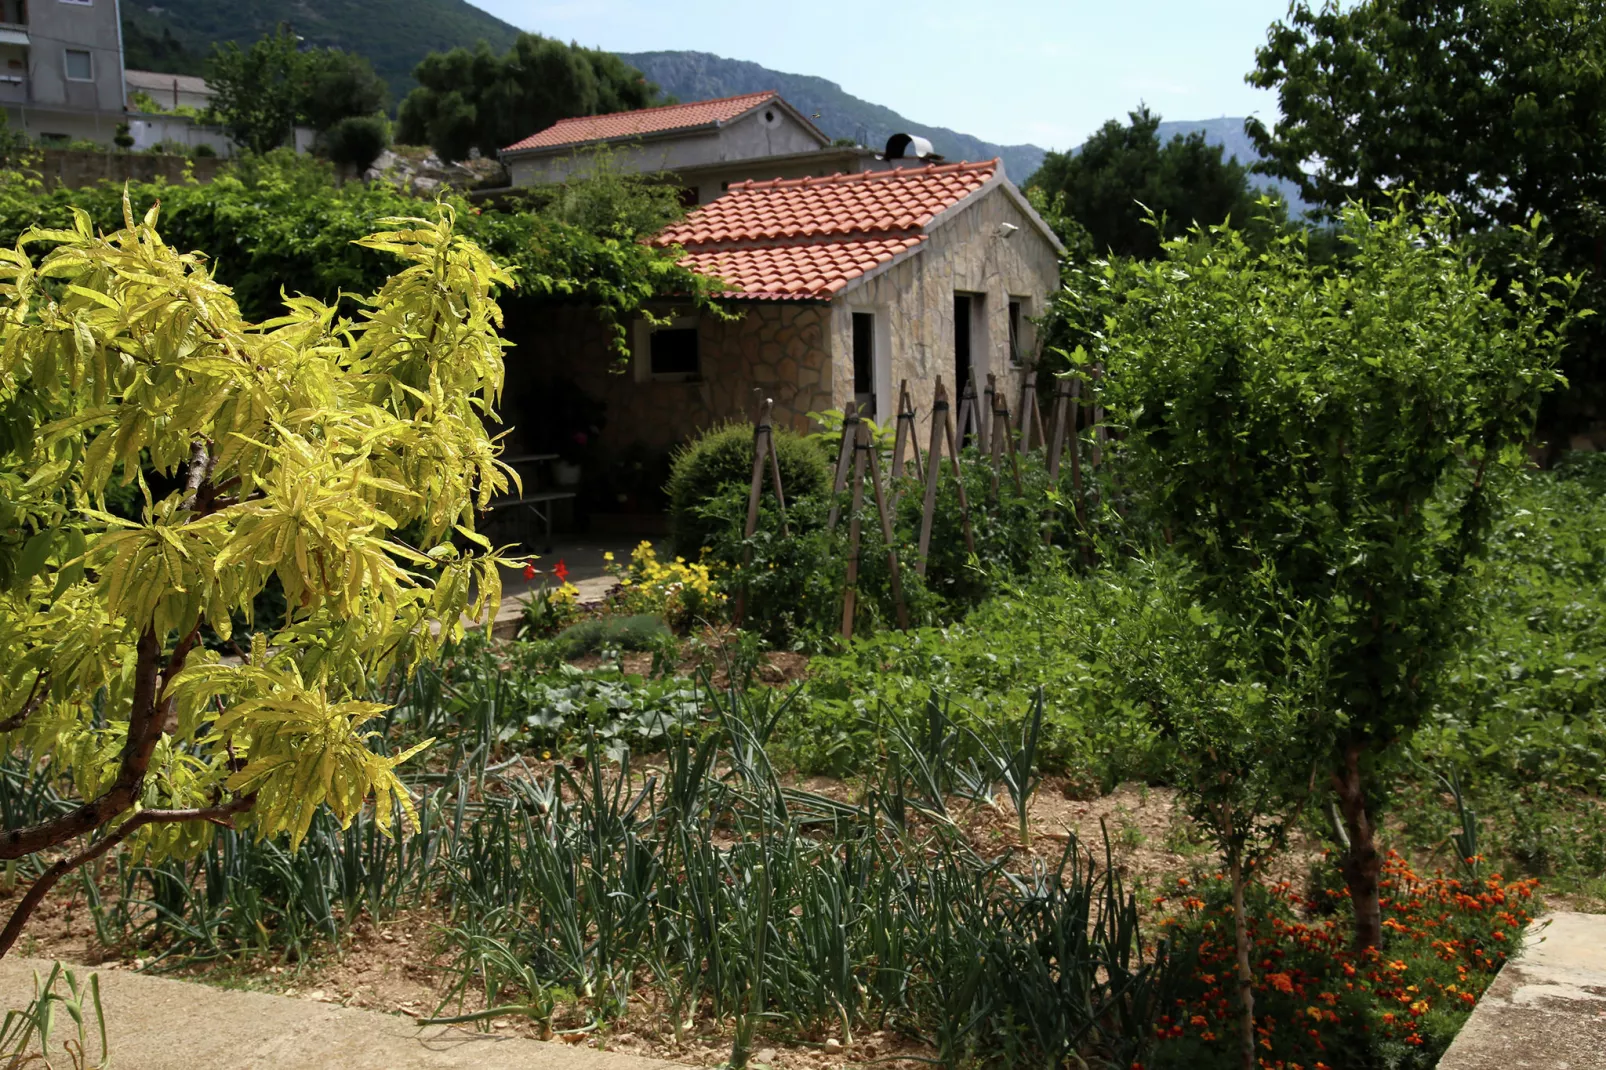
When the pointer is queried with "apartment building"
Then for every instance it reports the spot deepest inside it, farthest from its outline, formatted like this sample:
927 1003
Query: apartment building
61 69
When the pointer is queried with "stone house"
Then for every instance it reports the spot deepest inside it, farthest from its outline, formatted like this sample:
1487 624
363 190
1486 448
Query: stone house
705 146
842 286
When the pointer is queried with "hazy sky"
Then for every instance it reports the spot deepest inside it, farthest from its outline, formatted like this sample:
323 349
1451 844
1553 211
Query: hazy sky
1008 71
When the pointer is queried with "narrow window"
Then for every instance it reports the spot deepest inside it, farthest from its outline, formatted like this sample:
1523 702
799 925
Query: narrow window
1014 333
674 351
961 342
80 65
864 357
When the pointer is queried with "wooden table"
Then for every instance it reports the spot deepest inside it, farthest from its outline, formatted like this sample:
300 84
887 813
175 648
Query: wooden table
537 495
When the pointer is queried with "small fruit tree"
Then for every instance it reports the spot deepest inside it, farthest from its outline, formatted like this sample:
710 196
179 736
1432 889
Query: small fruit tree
1336 436
346 458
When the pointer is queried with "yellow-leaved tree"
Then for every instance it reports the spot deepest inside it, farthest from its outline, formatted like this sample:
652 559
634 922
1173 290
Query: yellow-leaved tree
345 457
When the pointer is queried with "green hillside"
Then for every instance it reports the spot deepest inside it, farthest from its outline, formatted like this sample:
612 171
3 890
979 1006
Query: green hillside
177 35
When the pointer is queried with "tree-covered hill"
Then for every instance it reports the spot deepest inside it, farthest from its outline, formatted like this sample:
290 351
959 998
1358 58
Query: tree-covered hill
177 35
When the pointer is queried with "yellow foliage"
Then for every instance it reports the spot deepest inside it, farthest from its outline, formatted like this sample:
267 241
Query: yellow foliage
298 449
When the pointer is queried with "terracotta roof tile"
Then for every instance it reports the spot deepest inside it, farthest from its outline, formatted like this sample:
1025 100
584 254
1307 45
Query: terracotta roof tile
809 237
626 124
797 270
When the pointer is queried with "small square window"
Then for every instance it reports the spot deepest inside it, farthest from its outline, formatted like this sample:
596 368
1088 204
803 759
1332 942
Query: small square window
80 3
674 351
80 65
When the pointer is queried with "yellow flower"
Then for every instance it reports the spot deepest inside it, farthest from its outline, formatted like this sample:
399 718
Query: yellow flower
607 555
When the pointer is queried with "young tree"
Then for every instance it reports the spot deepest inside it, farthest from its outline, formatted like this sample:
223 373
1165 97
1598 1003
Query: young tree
337 85
264 91
300 449
257 90
469 100
1498 105
1345 431
1124 172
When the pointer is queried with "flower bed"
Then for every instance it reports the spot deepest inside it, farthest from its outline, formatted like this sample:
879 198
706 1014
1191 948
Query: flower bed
1320 1005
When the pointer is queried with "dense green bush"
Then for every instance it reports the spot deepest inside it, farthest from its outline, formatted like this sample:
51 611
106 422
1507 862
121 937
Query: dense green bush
356 141
641 631
722 457
1090 642
1523 703
278 223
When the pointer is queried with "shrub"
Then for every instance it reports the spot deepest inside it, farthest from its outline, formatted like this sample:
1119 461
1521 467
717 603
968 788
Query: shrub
722 456
356 141
643 631
678 592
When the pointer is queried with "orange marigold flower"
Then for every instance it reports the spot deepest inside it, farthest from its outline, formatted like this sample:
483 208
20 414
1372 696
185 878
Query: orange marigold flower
1280 981
1198 1021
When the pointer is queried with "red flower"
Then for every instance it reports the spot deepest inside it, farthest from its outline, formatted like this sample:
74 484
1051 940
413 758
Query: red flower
529 571
561 572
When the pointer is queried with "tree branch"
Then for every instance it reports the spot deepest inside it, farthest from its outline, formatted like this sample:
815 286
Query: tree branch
41 887
35 699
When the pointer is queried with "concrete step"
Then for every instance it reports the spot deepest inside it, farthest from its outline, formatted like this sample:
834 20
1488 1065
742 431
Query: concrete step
1547 1008
154 1023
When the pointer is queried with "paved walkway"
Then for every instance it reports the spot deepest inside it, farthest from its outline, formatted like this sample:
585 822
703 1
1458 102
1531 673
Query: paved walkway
582 557
1547 1008
157 1024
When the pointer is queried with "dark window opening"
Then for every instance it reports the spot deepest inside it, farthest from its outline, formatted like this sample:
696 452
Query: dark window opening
864 358
1014 333
674 351
687 197
961 342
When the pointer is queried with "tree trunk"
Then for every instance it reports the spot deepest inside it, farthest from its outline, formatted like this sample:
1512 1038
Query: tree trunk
1246 977
1361 865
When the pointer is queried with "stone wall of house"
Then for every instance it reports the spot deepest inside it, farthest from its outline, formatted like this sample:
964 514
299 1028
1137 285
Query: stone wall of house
965 254
775 349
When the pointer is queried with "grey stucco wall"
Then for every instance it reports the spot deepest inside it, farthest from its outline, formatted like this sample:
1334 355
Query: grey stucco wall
55 26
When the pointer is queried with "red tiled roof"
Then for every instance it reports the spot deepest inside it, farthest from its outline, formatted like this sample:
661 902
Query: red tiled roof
803 269
809 237
624 124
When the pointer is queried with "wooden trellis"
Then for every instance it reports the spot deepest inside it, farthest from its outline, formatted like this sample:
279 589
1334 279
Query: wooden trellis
984 415
763 450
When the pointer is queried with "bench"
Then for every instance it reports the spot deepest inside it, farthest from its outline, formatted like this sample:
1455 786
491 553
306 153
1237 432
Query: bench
540 503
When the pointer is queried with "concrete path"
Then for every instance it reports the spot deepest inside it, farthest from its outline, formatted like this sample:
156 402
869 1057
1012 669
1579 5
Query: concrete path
582 556
157 1024
1547 1008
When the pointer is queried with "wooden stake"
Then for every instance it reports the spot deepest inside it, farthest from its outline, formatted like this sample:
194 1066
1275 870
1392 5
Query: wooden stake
968 421
928 509
985 409
886 536
850 420
763 449
1056 443
1000 429
861 447
959 482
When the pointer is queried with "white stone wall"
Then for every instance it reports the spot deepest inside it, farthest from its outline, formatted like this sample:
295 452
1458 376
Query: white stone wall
965 254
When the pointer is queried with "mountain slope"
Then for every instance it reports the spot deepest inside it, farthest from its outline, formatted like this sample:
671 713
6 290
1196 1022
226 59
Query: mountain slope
177 35
701 76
